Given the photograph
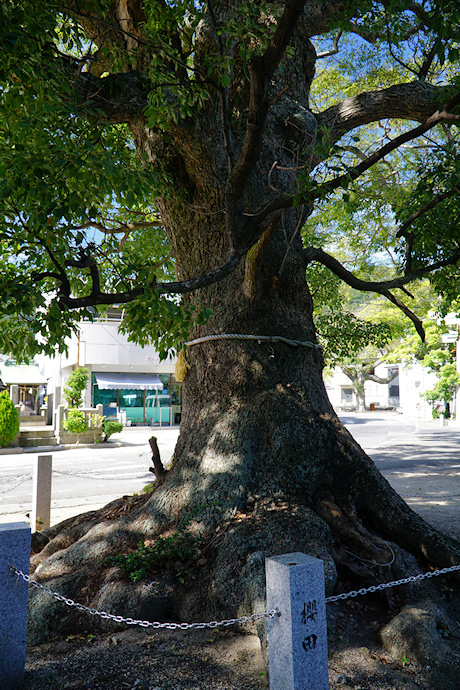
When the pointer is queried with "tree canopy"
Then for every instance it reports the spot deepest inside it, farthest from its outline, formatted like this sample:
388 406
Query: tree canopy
81 199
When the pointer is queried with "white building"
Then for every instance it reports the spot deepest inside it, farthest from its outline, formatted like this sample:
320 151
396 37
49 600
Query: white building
378 396
127 379
403 392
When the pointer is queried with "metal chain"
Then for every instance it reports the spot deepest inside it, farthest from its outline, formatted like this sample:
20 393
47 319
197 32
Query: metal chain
143 624
22 481
88 475
223 623
259 338
396 583
435 497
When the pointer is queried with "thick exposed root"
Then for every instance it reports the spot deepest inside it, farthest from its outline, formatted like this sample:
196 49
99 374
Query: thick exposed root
426 633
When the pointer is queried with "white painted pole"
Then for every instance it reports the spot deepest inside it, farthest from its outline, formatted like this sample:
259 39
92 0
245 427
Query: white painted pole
41 493
14 550
297 639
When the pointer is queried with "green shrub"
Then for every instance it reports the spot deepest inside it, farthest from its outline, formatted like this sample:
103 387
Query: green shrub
75 385
177 552
76 422
9 420
110 426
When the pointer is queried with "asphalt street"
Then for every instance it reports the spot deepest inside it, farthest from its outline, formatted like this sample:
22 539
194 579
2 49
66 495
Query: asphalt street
420 459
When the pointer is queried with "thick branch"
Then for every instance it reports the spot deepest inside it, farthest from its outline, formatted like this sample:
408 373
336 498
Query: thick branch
88 262
322 190
413 101
261 70
383 379
315 254
180 287
381 287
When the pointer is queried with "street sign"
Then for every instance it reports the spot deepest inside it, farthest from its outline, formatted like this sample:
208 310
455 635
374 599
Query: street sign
450 337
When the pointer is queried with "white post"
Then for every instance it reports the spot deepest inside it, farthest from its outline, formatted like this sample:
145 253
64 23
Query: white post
14 550
14 393
41 496
297 638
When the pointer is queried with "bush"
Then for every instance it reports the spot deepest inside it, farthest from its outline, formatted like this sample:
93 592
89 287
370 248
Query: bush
110 427
76 422
75 385
9 420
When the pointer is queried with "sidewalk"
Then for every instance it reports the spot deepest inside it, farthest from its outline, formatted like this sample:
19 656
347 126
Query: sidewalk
425 471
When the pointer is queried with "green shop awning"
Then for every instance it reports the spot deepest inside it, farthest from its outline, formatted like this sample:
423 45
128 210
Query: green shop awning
126 381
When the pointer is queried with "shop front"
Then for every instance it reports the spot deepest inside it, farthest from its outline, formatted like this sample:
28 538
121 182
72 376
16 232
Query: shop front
145 399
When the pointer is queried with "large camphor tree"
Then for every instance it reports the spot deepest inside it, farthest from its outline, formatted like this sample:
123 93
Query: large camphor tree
164 156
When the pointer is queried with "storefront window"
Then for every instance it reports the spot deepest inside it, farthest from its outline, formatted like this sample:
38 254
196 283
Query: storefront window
130 398
143 407
104 397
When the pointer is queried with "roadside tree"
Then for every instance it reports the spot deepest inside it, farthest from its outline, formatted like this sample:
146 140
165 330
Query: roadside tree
75 385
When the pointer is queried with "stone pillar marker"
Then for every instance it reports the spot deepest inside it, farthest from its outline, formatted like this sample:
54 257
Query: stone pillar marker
41 493
14 394
297 639
14 550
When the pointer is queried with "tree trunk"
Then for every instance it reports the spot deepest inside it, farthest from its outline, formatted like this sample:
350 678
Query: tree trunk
360 400
262 465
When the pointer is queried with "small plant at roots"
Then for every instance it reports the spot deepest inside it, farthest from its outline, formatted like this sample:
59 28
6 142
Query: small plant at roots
178 551
9 420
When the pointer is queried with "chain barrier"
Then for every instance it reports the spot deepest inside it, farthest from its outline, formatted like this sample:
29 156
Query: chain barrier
435 497
12 488
88 475
223 623
395 583
143 624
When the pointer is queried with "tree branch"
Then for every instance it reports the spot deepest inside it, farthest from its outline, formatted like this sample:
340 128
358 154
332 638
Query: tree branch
434 202
121 229
333 51
381 287
261 70
319 255
413 101
180 287
282 202
86 261
383 379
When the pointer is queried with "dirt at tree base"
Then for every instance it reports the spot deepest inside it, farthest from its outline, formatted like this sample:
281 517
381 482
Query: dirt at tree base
223 659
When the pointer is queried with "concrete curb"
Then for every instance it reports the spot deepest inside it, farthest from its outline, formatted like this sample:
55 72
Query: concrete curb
53 449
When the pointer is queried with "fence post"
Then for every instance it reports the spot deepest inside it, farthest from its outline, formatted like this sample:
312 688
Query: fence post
41 493
14 550
297 639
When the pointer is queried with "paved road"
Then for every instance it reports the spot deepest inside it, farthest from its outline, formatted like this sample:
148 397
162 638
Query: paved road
84 478
421 460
